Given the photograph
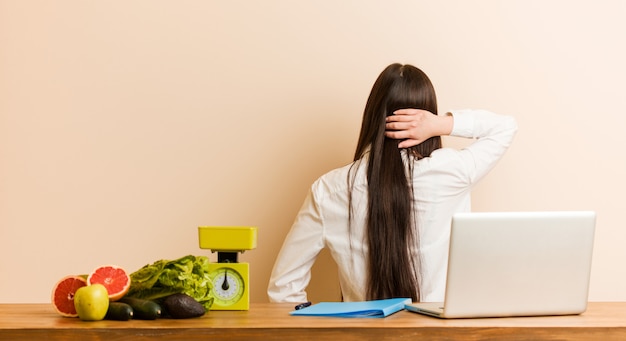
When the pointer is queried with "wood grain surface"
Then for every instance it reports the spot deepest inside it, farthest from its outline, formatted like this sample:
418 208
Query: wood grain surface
267 321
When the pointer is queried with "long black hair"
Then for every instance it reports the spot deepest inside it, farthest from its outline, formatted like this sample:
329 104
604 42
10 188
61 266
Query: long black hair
391 224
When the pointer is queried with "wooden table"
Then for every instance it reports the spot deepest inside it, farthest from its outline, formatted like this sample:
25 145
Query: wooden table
266 321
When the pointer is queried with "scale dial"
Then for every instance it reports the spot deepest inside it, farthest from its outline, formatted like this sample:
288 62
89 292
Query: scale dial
228 286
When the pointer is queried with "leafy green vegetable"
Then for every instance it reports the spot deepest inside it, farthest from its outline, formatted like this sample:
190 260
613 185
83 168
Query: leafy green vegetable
188 275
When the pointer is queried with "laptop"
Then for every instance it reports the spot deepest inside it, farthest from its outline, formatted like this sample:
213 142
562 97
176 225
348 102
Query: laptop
516 264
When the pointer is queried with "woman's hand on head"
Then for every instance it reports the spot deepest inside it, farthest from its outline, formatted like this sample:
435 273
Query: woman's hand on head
415 126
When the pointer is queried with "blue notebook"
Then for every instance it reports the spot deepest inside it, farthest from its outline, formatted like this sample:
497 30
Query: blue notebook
376 308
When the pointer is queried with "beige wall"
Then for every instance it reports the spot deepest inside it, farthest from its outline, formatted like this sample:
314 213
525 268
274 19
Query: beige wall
126 124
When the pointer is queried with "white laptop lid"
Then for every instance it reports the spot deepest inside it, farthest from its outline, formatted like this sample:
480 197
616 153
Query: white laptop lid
519 264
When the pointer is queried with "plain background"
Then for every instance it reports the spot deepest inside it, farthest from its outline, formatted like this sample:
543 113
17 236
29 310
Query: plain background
124 125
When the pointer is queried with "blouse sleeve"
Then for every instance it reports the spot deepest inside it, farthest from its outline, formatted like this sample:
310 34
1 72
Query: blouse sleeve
292 270
494 134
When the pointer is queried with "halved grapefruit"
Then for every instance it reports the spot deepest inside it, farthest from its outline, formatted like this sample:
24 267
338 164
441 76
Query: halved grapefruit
114 278
63 294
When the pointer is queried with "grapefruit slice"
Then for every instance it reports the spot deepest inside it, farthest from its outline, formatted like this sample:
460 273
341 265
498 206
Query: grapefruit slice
63 294
114 278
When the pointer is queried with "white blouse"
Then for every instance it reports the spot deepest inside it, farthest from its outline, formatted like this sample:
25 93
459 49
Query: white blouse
442 185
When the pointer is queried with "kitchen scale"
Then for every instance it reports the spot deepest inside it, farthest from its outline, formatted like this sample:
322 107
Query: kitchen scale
230 279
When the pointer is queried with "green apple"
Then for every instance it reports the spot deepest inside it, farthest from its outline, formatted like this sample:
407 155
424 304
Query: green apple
91 302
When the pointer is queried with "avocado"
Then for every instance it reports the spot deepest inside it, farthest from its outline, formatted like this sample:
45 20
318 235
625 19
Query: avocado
182 306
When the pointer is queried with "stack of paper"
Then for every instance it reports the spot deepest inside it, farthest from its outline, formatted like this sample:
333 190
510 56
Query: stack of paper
377 308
